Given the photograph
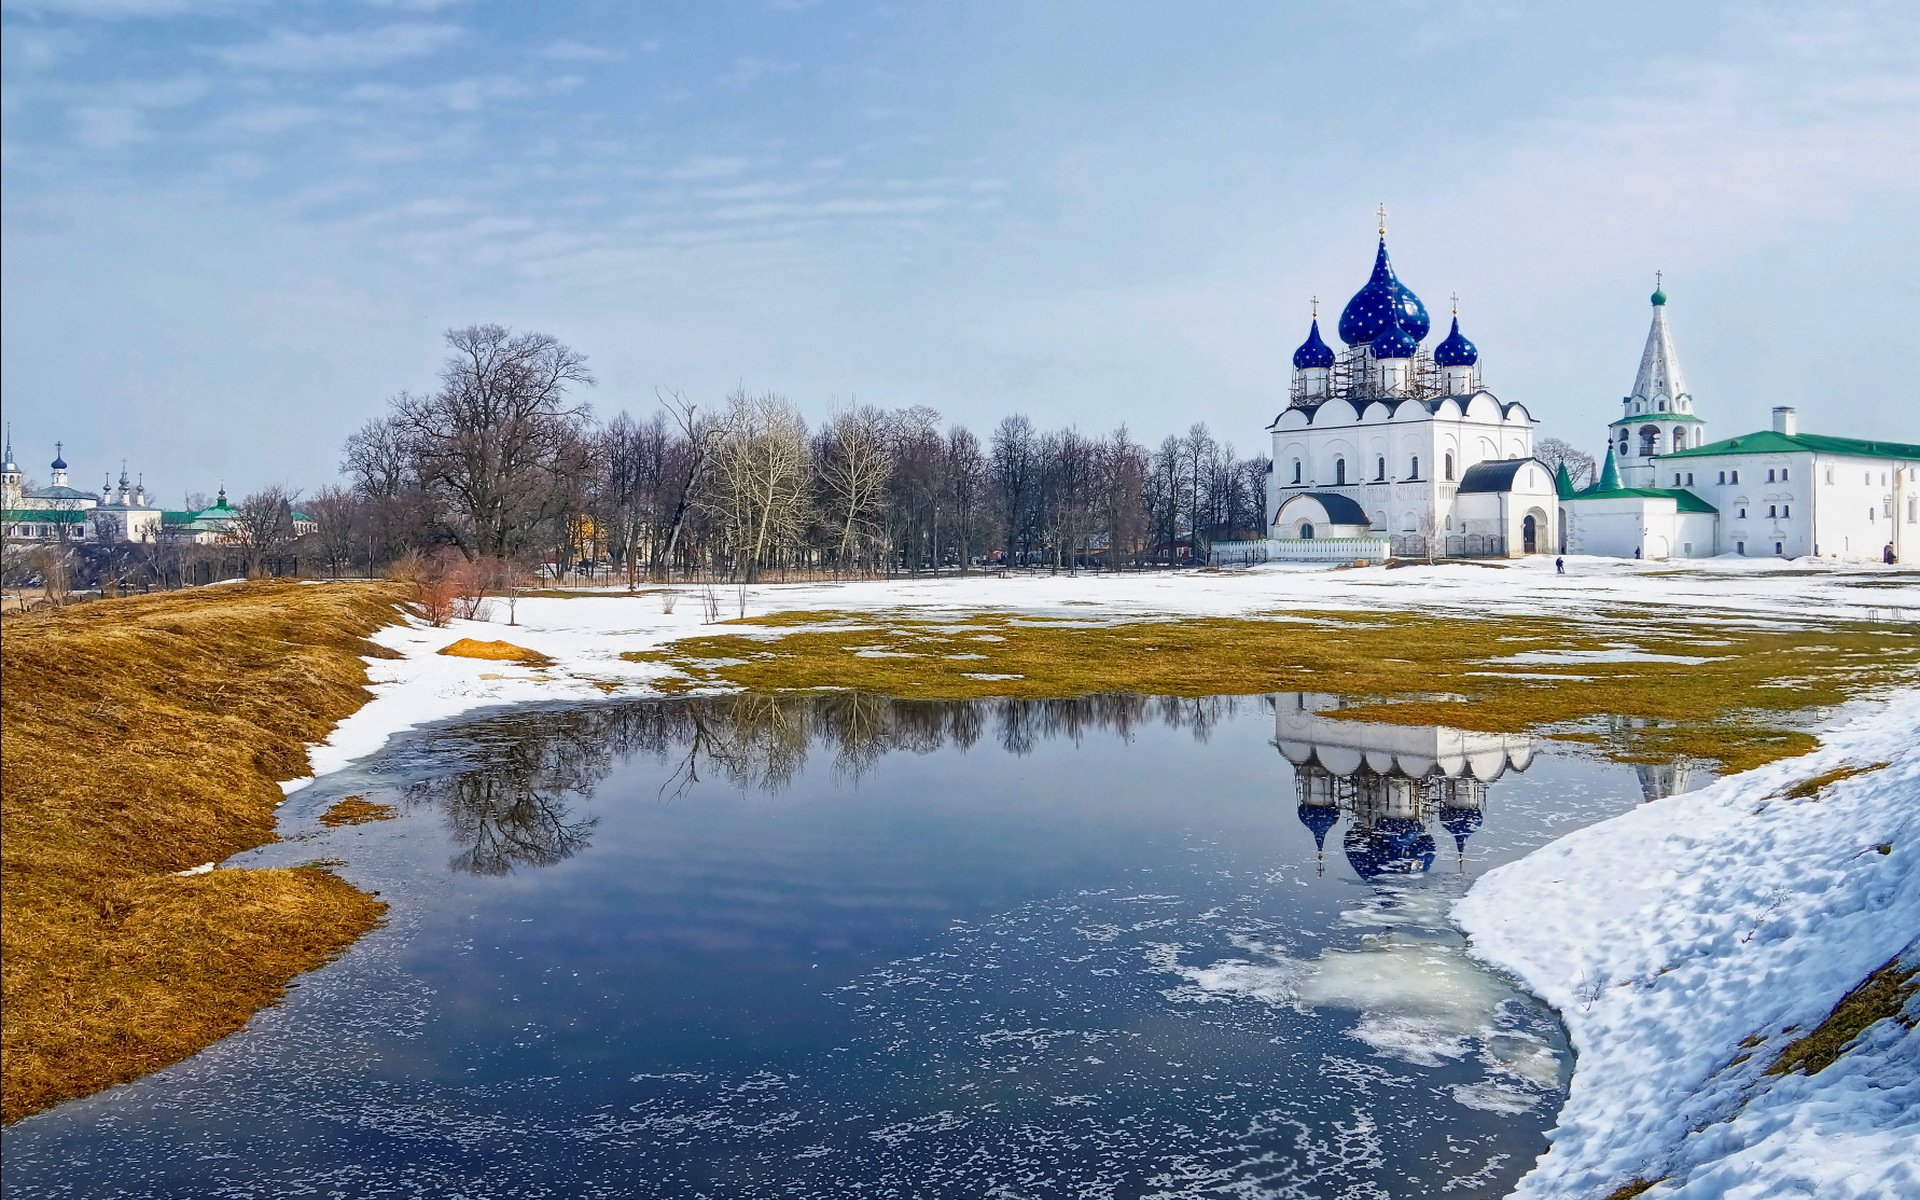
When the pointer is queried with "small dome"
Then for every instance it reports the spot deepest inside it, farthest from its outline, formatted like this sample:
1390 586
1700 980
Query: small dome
1313 352
1365 316
1461 823
1455 350
1319 818
59 457
1394 341
1659 297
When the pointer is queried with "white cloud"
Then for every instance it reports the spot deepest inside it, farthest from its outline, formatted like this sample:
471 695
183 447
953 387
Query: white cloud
287 50
708 166
106 128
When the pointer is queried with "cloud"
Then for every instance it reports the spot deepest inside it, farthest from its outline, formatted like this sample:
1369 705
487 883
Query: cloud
286 50
110 9
274 119
567 50
746 72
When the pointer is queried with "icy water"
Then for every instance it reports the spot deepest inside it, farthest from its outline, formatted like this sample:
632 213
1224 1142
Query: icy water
847 946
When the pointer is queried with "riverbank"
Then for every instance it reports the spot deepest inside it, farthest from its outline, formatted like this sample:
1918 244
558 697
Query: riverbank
1738 969
140 739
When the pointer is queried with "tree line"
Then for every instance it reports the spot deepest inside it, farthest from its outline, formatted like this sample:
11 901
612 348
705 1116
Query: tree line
505 461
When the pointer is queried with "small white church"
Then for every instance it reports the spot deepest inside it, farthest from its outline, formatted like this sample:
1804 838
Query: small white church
1386 448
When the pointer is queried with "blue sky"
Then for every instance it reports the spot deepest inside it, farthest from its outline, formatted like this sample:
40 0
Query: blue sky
233 229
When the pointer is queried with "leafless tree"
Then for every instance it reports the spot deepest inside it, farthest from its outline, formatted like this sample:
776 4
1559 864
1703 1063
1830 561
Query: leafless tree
262 527
1554 451
494 439
760 478
856 464
336 516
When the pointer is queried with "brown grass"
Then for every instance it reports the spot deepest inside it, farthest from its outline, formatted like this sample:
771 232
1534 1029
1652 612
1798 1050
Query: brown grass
495 652
1881 996
138 738
1632 1188
356 810
1408 668
1807 789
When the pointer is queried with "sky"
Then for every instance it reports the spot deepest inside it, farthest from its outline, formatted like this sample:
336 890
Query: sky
232 230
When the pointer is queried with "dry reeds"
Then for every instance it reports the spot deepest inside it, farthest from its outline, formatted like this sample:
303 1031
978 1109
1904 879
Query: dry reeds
139 738
494 652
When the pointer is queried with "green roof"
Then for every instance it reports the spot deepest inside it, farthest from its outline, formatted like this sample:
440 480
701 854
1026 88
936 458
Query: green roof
1683 500
1769 442
1647 418
45 516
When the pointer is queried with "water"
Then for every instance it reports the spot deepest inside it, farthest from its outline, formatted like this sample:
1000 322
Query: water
827 947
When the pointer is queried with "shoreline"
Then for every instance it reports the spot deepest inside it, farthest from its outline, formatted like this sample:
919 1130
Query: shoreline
1690 943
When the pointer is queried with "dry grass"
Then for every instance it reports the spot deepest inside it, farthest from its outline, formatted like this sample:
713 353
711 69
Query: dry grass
1408 668
1627 1191
356 810
138 738
1807 789
495 652
1881 996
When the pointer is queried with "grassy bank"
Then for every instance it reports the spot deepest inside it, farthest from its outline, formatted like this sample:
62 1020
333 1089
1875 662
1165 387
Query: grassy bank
1733 709
140 738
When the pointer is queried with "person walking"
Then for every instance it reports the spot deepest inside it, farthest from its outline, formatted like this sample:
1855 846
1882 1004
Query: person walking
1559 566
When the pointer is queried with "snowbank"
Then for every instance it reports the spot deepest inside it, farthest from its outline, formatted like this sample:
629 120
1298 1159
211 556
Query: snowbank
1681 939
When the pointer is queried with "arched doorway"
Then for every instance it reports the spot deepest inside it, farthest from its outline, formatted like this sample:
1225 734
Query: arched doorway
1529 535
1306 529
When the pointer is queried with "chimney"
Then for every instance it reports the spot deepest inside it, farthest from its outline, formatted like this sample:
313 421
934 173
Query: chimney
1785 421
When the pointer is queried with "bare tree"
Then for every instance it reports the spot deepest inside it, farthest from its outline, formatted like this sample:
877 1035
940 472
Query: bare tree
1554 451
495 439
336 521
1011 464
760 478
856 464
262 527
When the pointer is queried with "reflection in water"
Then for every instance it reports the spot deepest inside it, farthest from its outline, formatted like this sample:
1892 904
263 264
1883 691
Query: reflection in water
507 800
1393 782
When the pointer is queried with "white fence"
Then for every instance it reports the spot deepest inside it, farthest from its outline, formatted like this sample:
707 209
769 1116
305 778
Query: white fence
1242 554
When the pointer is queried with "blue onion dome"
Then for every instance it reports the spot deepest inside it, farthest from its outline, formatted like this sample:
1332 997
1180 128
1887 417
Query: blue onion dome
1455 350
1313 352
1319 819
59 462
1394 341
1365 316
1461 823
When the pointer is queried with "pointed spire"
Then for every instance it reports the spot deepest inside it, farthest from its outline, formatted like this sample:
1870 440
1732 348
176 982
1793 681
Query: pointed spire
9 466
1563 481
1659 377
1609 480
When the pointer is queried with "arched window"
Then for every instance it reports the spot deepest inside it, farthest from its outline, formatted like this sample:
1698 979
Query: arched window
1414 471
1449 465
1306 530
1679 439
1382 472
1649 441
1296 470
1339 471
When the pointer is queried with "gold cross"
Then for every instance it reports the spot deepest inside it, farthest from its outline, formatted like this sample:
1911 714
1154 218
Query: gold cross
1656 281
1456 303
1383 218
1316 308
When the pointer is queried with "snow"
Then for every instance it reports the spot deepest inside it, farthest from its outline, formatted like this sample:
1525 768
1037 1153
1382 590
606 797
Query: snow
1669 934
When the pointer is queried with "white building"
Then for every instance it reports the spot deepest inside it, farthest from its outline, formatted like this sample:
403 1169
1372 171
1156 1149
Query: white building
1666 492
1386 448
57 512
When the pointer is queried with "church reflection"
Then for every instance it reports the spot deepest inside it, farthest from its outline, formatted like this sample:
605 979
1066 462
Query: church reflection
1394 785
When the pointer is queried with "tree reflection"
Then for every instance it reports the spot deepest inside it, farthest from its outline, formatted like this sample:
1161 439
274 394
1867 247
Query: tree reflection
508 800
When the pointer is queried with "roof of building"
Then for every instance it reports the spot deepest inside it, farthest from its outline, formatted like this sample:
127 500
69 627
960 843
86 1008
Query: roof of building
59 492
1455 350
1365 316
1659 373
45 516
1768 442
1341 510
1313 352
1609 478
1563 481
1493 476
1683 500
1652 417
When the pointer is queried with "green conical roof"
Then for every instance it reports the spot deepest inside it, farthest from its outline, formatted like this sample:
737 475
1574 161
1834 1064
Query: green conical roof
1562 481
1609 475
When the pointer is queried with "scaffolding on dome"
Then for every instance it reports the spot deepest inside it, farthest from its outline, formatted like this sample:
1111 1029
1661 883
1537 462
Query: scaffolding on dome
1354 377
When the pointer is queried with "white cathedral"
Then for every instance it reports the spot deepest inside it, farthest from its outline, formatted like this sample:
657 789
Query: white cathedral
1386 449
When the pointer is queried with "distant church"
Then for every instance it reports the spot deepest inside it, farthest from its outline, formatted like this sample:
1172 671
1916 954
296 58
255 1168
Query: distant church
1665 491
1385 448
